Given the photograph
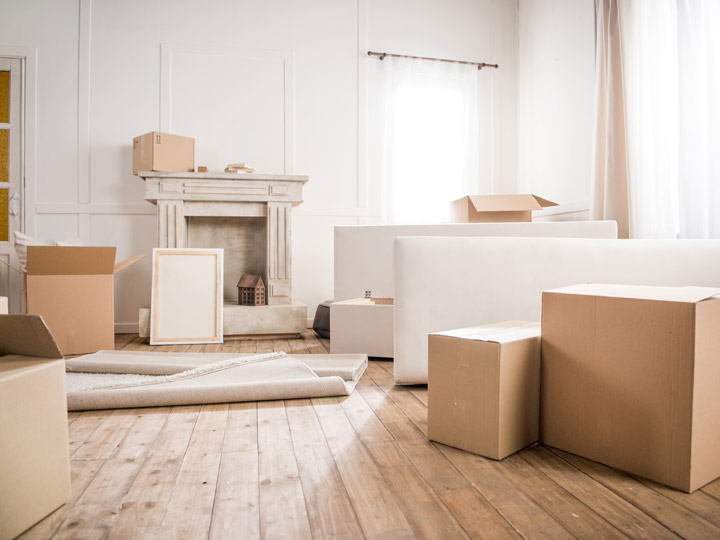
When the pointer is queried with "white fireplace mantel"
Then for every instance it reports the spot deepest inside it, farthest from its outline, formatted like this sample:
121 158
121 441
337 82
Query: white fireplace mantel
183 196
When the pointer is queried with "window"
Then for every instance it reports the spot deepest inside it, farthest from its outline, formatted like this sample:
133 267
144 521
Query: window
425 145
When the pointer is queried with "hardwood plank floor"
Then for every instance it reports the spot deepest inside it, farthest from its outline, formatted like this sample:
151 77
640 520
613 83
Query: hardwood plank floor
353 467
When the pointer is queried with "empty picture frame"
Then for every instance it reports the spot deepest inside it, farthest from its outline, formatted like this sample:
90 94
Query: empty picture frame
187 296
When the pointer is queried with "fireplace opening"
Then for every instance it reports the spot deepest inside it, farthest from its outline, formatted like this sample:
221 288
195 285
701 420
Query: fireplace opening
244 241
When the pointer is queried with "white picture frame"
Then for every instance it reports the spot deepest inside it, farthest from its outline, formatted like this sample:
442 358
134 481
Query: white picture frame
187 296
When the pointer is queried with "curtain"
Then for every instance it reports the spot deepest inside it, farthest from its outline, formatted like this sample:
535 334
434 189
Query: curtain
699 118
425 146
610 192
657 92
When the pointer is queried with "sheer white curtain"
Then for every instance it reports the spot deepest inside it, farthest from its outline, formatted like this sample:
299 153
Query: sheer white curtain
699 118
658 79
424 148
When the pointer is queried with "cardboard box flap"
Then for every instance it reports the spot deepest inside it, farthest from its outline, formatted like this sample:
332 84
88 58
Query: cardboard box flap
508 203
27 335
689 295
56 260
502 332
127 262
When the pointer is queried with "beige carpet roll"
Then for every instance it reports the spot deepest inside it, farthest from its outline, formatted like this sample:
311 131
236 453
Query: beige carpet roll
119 379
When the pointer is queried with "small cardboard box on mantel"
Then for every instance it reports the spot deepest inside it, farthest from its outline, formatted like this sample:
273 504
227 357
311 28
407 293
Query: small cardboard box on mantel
34 461
72 289
631 378
496 208
484 387
163 152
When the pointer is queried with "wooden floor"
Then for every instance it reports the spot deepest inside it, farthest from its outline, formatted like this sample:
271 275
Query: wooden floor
354 467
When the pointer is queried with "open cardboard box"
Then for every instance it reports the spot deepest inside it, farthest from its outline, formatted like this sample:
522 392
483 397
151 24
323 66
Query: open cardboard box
496 208
631 378
34 461
72 289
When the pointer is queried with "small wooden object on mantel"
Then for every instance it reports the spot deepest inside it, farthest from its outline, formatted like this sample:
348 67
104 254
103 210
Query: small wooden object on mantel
382 301
251 290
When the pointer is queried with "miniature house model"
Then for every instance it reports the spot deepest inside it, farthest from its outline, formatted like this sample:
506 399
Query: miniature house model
251 290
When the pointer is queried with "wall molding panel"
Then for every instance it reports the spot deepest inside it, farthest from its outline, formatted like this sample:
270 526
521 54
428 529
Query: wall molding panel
94 209
84 85
170 53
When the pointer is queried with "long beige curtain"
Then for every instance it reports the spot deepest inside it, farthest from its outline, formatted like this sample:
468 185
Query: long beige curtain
610 197
656 167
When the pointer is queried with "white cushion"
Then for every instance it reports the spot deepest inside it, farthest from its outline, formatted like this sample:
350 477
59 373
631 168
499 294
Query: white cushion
73 240
447 283
22 241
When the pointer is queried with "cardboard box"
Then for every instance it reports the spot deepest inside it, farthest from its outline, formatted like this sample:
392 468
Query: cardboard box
496 208
34 461
631 378
163 152
72 289
484 387
362 326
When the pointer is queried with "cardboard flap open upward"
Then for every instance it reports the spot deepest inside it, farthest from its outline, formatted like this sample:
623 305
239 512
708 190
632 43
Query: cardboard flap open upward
57 260
127 262
689 295
27 335
508 203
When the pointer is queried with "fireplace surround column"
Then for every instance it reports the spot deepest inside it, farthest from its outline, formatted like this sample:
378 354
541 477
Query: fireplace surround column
172 226
279 267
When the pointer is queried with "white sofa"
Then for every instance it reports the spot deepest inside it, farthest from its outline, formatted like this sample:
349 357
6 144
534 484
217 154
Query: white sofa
364 254
446 283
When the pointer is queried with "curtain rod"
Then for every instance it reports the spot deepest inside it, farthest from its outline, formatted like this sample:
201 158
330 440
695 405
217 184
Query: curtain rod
381 56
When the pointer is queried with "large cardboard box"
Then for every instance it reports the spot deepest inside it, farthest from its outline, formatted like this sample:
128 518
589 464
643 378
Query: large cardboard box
631 378
34 461
484 387
362 326
72 289
496 208
163 152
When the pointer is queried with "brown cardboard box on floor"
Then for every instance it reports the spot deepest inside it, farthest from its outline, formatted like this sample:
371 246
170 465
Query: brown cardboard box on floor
484 386
496 208
163 152
631 378
72 289
34 461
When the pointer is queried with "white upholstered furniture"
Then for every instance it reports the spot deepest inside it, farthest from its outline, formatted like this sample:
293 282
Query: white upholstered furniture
445 283
364 254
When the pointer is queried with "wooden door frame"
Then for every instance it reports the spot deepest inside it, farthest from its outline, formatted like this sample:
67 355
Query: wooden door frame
12 281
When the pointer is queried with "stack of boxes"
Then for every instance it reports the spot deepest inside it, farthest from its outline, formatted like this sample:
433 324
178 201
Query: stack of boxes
627 376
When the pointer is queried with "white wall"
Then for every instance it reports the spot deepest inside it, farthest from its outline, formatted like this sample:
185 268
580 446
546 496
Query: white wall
102 78
556 74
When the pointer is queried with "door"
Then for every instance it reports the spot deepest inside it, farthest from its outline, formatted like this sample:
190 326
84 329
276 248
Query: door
11 179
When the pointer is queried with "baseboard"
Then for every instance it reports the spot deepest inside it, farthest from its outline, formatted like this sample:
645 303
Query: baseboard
126 328
132 328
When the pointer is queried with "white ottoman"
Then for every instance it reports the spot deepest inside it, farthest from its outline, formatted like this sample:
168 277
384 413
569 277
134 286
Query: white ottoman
360 326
